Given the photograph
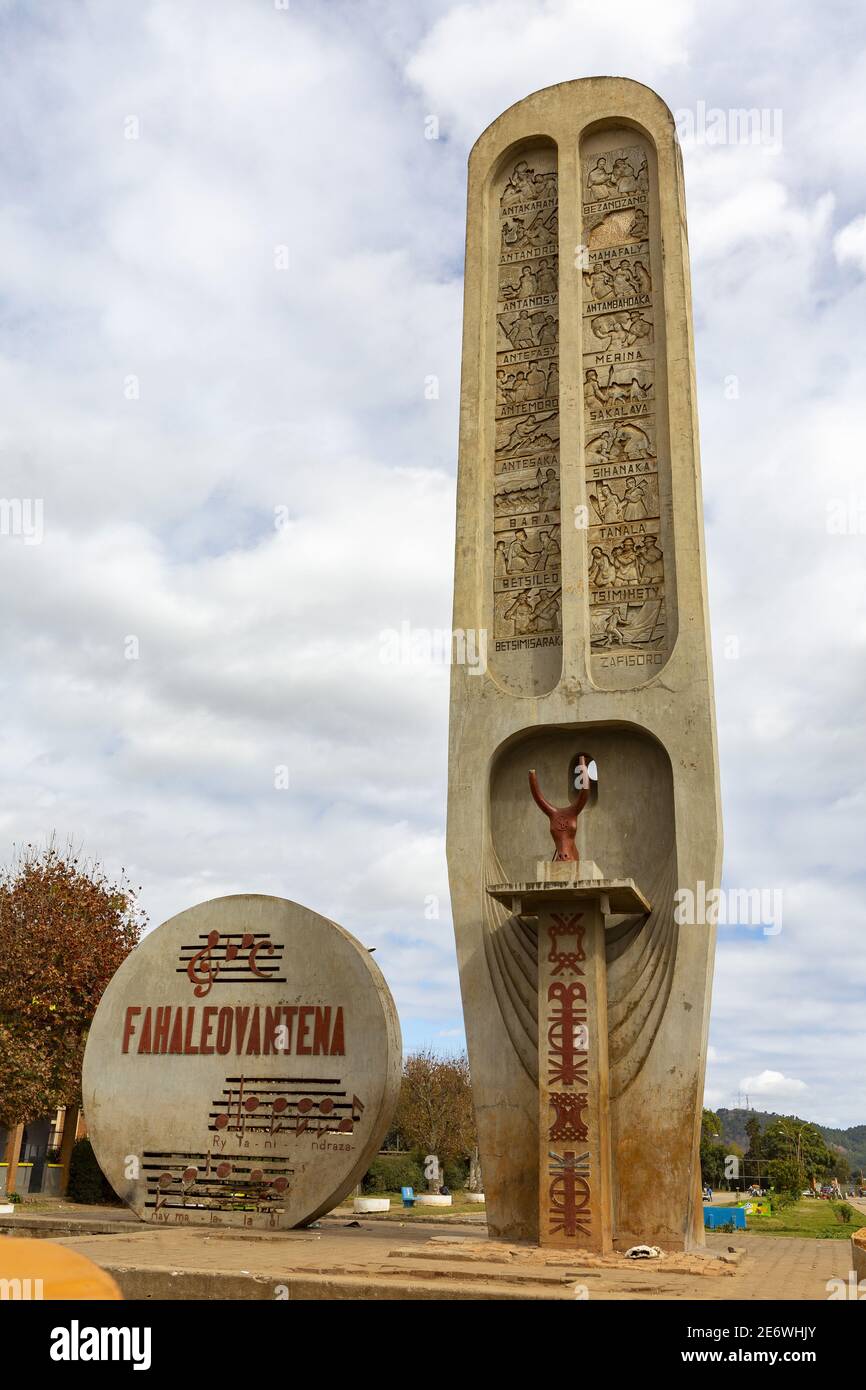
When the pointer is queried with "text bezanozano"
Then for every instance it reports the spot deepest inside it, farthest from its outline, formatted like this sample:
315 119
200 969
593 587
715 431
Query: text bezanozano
310 1030
77 1343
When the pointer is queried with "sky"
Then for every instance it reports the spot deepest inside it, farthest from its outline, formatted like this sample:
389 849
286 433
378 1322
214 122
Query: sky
230 318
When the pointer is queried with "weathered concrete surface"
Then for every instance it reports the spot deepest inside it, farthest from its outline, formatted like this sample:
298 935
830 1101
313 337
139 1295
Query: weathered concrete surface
381 1263
243 1066
858 1254
638 701
50 1227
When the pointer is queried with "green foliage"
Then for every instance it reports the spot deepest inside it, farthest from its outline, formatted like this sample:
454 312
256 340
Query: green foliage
456 1174
844 1211
390 1172
434 1112
850 1142
786 1179
800 1143
753 1134
712 1150
65 927
808 1217
86 1180
840 1168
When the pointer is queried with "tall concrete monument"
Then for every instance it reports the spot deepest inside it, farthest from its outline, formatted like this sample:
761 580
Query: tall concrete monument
580 551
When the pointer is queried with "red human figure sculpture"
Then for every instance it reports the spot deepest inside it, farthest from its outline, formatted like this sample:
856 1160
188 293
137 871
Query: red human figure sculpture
563 819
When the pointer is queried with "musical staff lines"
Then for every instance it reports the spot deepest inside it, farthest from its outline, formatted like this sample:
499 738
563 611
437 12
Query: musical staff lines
292 1105
205 1181
231 958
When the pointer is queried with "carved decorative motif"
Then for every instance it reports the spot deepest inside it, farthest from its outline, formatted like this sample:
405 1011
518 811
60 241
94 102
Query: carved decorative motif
564 1054
626 562
566 962
568 1123
527 586
569 1194
567 1035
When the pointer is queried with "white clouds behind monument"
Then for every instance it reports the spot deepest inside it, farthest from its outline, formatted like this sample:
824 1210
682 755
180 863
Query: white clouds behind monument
305 387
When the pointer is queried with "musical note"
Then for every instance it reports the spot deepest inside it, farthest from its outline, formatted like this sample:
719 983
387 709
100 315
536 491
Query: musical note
284 1107
203 967
254 1182
204 978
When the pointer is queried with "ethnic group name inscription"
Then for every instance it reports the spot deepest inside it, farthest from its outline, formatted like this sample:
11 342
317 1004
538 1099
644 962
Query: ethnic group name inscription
305 1030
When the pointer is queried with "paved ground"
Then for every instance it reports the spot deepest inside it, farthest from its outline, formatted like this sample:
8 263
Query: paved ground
381 1262
400 1259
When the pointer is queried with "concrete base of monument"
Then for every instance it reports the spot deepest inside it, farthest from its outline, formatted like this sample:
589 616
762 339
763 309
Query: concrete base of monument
617 896
567 871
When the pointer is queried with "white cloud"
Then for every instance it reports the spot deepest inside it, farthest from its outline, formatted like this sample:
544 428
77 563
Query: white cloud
477 59
304 388
772 1084
849 244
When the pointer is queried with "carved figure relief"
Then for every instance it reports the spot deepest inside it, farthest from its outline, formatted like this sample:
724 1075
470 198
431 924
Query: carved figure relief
527 586
626 559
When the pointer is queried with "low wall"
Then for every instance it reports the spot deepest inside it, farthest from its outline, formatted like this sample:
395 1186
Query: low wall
858 1254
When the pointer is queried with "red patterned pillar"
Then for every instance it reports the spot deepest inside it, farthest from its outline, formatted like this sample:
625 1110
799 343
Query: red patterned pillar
574 1160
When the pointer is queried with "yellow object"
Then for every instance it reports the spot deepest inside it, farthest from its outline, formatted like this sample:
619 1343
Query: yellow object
39 1269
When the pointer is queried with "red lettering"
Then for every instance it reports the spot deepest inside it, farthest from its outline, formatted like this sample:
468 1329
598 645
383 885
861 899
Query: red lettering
241 1018
322 1032
303 1024
338 1040
128 1025
160 1029
224 1030
272 1023
206 1025
188 1047
144 1045
254 1046
289 1017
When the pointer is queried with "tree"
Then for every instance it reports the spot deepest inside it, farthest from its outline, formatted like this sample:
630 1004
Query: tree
753 1130
712 1149
841 1168
796 1141
434 1112
65 927
786 1178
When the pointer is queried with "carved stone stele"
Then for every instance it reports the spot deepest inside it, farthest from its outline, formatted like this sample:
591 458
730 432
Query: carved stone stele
580 552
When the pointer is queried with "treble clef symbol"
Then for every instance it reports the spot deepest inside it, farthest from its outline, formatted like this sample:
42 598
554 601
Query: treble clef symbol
203 978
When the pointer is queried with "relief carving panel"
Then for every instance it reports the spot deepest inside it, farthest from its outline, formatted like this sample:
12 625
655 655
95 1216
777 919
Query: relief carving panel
630 631
527 586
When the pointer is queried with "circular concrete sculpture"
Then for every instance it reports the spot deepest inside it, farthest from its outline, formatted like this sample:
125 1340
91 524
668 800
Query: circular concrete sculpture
242 1068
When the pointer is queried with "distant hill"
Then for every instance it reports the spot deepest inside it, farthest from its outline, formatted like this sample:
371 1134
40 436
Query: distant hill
850 1142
